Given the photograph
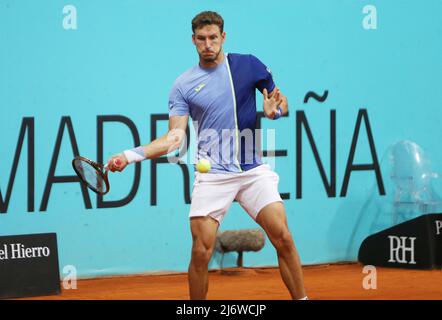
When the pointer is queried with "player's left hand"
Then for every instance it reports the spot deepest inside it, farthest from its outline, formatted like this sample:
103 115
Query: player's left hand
271 102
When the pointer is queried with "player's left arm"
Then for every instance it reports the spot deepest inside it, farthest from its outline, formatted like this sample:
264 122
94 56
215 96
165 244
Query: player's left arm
275 103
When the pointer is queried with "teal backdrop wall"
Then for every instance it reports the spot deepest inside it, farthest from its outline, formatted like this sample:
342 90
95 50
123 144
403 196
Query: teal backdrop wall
119 64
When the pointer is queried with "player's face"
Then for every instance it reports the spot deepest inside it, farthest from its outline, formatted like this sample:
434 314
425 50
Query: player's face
208 41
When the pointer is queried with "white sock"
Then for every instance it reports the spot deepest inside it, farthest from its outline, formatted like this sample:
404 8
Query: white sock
305 298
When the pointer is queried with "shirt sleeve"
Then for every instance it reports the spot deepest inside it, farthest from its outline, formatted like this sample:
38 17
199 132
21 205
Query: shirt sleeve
177 103
262 75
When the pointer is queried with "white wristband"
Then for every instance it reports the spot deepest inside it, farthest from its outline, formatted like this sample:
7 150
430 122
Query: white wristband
135 154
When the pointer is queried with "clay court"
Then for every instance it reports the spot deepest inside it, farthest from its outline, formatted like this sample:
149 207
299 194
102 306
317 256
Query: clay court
323 282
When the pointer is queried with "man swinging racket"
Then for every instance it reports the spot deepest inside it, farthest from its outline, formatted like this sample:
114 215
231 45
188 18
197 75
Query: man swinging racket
219 96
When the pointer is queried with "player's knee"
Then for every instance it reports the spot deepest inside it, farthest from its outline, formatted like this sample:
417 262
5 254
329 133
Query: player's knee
284 243
201 254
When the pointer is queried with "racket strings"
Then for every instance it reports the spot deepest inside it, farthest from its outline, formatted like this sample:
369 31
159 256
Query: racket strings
91 176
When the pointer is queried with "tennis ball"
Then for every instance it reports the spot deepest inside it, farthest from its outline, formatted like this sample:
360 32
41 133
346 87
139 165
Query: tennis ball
203 166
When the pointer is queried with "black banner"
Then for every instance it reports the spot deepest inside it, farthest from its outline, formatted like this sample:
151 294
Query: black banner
414 244
29 266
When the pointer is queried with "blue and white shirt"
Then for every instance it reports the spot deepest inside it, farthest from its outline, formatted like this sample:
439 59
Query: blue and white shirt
222 104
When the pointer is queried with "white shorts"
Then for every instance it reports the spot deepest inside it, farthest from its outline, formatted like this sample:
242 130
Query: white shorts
213 193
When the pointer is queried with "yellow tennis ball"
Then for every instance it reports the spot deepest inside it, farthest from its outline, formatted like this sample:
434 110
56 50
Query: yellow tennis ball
203 166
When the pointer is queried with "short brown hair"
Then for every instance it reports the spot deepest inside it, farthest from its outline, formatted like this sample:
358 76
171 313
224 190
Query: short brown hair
206 18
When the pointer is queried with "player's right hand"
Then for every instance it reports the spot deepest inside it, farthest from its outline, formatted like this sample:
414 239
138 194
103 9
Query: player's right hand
117 162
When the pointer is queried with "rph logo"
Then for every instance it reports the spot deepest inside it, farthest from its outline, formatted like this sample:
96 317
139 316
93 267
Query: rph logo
399 249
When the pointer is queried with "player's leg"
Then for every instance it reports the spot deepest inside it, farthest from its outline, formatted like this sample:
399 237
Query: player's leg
212 196
203 241
259 196
272 219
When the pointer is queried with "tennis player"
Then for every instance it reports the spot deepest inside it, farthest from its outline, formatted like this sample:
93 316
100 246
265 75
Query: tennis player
219 95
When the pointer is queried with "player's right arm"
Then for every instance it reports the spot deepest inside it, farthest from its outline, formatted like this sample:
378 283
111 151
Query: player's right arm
159 147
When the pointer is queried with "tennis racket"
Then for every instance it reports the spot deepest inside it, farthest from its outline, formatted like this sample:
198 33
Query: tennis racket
92 174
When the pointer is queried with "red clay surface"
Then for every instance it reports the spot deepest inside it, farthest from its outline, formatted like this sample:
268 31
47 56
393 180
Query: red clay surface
334 282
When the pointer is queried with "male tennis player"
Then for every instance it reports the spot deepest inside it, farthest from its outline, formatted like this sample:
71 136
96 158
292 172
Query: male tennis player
219 96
